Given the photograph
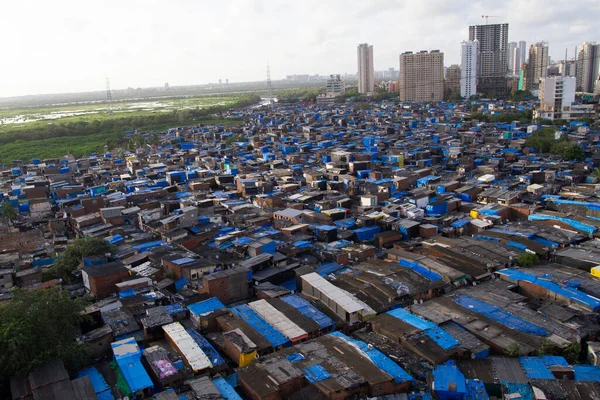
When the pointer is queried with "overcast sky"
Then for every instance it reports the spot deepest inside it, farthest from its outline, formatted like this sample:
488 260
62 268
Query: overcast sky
73 45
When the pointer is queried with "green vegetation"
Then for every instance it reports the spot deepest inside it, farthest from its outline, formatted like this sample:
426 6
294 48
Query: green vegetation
296 95
524 117
513 350
7 213
596 175
527 259
544 141
572 352
71 258
121 382
39 326
235 138
547 348
521 95
90 133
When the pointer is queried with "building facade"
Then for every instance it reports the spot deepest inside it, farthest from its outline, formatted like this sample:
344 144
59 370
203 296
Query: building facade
557 100
366 71
588 66
422 76
522 52
492 60
469 53
512 54
538 65
452 88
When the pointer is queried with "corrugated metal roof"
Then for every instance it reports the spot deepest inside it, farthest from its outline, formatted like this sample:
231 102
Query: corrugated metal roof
274 317
187 346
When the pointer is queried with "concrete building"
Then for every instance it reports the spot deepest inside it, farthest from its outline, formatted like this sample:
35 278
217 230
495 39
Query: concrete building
588 66
523 51
422 76
469 51
538 65
492 60
334 90
366 71
515 62
452 81
512 54
557 94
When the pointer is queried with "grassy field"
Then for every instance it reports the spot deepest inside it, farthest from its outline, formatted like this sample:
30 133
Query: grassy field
12 119
79 129
82 145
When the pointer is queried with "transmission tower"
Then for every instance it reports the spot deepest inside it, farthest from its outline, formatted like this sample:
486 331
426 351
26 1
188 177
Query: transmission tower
269 84
109 99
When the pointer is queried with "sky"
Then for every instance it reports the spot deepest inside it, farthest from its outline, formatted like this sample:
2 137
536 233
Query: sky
63 46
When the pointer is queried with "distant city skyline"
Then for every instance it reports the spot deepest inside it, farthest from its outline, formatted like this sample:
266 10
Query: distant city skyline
71 46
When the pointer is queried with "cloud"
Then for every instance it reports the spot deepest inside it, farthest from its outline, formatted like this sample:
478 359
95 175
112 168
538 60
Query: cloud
70 45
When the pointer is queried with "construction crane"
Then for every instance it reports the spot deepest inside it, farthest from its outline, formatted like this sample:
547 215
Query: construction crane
489 16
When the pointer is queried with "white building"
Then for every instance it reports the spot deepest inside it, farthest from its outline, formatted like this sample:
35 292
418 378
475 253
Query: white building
468 68
557 97
512 52
366 71
515 65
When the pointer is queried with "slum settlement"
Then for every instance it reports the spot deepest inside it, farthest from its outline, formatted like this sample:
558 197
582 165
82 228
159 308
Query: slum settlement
323 252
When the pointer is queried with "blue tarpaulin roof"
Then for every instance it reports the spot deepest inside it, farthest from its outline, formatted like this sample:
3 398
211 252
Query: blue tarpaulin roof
414 265
589 373
308 310
589 229
535 368
329 268
260 325
316 373
437 334
131 365
521 388
499 315
226 389
476 390
101 388
212 354
448 382
378 358
562 290
206 306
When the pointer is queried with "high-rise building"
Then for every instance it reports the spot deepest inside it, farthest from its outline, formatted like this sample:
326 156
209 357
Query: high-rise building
588 66
516 64
523 52
512 46
492 60
422 76
452 88
537 66
366 72
469 53
557 93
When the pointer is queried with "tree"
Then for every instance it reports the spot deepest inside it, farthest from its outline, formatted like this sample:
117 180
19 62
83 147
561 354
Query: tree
596 175
71 258
39 326
513 350
154 140
572 352
547 348
573 152
527 259
8 213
